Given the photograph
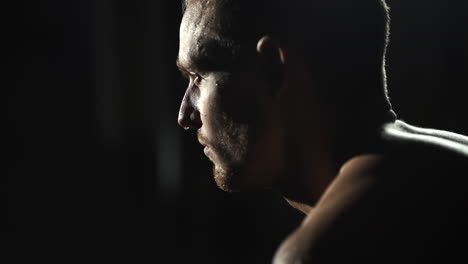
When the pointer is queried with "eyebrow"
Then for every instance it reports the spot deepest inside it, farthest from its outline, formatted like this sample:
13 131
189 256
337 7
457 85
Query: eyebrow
194 65
182 68
200 63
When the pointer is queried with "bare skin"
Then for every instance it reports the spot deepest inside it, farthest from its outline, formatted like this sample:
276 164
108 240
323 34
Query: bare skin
387 201
366 177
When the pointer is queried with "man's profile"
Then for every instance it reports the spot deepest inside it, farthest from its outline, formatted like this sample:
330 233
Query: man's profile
292 95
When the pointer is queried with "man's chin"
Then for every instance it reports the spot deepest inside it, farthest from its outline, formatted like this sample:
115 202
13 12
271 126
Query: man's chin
228 180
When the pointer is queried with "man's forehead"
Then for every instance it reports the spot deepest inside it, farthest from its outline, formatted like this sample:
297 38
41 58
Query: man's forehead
196 46
207 54
200 35
199 20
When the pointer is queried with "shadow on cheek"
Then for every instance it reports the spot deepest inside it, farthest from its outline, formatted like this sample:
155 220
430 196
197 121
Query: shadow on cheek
237 100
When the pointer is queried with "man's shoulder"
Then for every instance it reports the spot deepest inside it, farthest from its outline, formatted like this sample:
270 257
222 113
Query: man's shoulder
327 228
427 158
404 137
406 203
382 225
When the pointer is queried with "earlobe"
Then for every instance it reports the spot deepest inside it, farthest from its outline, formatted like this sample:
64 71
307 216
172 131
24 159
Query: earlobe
282 55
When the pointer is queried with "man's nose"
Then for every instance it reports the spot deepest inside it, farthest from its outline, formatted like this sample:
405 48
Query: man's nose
189 116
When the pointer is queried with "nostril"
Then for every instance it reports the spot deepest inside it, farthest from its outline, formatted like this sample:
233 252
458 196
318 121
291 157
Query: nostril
189 118
195 119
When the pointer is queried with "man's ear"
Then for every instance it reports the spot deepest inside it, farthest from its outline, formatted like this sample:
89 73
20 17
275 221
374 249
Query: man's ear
268 47
273 59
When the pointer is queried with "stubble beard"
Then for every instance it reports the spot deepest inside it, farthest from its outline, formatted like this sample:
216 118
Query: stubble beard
232 148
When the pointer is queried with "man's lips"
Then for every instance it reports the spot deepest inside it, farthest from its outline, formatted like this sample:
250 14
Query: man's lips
203 142
206 150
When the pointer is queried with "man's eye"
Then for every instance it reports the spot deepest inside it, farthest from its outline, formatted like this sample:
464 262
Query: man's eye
197 79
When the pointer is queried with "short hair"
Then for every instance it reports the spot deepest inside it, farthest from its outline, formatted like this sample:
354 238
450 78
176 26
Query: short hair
344 42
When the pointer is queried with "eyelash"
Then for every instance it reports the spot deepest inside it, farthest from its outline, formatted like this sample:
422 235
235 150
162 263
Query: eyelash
196 78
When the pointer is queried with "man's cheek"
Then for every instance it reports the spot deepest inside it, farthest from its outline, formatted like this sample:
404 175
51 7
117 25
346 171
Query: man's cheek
237 101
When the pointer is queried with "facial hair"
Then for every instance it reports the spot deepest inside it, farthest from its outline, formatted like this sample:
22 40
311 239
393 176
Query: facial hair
231 146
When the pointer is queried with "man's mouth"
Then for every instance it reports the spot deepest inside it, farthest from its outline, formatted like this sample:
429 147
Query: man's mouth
207 151
202 140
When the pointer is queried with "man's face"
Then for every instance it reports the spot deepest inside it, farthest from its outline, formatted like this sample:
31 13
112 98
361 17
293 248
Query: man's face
223 100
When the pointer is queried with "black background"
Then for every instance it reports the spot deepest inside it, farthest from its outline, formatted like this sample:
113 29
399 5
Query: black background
98 170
